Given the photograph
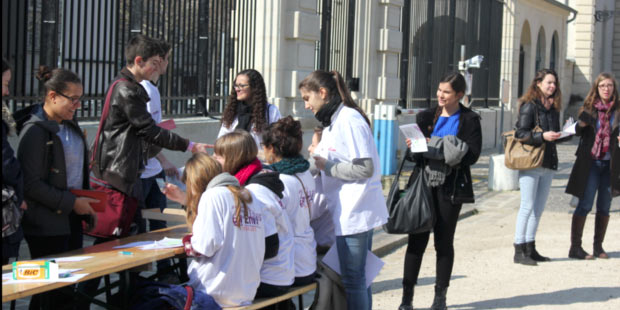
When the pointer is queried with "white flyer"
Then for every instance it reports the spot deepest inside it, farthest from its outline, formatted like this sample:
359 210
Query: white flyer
569 128
373 264
418 140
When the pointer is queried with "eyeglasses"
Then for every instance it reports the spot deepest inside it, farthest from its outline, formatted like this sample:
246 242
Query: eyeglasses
73 99
241 86
611 86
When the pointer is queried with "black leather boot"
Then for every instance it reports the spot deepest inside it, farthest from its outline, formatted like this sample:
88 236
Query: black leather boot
521 257
439 302
530 250
407 303
600 228
576 231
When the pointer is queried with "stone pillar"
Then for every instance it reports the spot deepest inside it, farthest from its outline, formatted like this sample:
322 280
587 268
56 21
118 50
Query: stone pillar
584 46
615 48
286 35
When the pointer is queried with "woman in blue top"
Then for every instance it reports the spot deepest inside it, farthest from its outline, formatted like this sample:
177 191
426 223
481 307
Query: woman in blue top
450 179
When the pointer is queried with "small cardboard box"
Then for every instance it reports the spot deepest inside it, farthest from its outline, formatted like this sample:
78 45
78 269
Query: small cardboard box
35 270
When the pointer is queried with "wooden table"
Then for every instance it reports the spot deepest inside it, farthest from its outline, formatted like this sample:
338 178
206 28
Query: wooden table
106 260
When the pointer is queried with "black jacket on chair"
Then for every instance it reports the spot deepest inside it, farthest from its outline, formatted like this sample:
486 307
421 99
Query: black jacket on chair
532 113
128 134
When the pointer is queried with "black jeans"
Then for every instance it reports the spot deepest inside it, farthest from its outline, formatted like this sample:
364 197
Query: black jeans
447 215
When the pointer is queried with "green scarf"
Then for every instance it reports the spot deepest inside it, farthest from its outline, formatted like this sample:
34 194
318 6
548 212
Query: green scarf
290 165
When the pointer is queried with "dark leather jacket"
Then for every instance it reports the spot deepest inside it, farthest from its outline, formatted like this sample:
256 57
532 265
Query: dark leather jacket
458 184
50 203
548 120
128 135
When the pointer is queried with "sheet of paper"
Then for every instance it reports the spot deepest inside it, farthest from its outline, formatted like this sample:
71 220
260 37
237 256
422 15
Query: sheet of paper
569 128
69 259
7 278
373 264
134 244
165 243
418 141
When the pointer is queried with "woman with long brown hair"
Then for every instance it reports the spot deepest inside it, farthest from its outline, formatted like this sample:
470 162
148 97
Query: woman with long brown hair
349 163
247 106
540 106
597 156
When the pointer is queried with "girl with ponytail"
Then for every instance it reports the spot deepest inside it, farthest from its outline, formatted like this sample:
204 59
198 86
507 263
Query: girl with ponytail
349 166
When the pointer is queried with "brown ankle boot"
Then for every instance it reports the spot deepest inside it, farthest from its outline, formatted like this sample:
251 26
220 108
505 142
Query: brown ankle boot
600 227
576 231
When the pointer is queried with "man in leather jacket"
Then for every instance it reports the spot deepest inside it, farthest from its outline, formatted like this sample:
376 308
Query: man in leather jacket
130 135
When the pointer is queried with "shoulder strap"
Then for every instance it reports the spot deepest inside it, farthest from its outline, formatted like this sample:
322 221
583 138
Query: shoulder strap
104 116
305 193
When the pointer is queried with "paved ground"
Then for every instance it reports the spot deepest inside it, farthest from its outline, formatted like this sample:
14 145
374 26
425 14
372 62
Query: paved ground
484 275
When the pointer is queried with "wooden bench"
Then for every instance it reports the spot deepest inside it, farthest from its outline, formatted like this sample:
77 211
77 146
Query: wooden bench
169 215
264 302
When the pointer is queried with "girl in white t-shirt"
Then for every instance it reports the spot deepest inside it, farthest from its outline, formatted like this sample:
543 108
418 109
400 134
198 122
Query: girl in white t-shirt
236 151
282 143
349 164
247 106
227 234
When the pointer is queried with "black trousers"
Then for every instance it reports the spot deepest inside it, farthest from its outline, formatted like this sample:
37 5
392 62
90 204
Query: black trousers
447 215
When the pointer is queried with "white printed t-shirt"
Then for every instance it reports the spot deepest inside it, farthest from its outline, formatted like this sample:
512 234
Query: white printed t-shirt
278 270
153 167
229 269
296 207
274 116
321 216
357 206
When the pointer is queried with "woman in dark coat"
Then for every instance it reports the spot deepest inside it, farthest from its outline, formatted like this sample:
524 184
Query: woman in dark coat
598 162
11 170
449 121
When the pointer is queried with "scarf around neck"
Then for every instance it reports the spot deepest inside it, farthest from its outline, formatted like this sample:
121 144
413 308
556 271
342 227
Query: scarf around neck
325 113
602 137
244 116
247 171
290 165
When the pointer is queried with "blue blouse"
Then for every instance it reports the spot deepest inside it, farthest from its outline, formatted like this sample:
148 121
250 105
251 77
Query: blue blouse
447 126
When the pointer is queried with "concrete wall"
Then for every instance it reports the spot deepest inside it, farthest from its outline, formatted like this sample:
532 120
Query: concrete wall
616 44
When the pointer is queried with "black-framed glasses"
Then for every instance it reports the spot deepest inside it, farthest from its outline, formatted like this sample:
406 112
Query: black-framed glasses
73 99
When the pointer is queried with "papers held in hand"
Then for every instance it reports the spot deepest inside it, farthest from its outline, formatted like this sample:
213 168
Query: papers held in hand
569 128
99 195
418 141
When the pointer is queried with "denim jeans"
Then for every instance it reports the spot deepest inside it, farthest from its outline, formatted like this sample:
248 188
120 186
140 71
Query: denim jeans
352 252
599 181
534 185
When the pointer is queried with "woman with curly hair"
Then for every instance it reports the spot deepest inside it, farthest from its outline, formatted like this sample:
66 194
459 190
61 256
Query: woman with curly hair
247 106
597 156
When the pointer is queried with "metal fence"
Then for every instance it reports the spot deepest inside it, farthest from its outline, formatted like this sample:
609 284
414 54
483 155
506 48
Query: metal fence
210 39
335 48
433 32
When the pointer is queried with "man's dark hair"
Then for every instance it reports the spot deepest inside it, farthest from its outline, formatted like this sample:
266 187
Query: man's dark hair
146 47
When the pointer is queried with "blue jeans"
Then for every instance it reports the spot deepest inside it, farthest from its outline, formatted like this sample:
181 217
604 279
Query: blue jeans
534 185
599 181
352 252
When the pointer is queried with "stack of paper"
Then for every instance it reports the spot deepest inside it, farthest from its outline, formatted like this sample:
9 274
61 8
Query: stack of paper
418 141
569 128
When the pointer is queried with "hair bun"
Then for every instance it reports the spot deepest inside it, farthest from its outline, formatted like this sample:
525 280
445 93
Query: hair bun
44 73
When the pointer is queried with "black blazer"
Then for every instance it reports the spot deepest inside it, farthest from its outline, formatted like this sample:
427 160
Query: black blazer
458 184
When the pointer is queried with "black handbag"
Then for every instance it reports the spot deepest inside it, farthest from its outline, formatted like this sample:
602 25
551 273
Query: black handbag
412 210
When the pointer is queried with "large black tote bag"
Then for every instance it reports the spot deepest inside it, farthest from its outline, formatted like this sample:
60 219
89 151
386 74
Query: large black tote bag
411 210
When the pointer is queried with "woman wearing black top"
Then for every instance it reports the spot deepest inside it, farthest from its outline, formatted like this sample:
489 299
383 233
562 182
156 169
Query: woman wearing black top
451 185
539 106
